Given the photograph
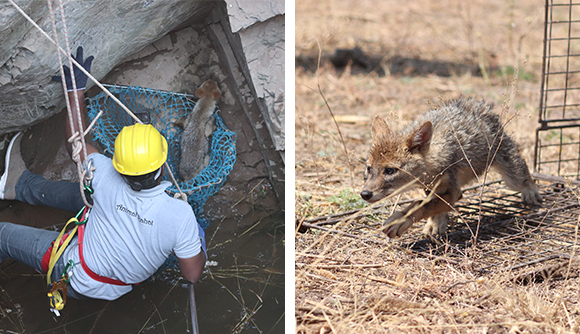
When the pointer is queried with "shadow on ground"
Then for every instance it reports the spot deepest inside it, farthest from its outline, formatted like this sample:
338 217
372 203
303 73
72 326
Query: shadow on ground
360 63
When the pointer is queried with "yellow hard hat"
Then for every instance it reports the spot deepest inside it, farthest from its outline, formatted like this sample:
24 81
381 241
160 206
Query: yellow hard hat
139 149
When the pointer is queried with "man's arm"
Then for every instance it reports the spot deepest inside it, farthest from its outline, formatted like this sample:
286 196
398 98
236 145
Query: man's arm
81 83
81 96
192 268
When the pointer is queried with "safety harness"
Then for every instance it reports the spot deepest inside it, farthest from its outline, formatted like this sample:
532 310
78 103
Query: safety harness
57 289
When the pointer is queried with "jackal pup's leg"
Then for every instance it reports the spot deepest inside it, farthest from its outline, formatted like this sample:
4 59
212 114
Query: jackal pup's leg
436 210
436 224
515 173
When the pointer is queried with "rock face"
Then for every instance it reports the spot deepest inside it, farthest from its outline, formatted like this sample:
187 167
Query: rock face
110 30
261 30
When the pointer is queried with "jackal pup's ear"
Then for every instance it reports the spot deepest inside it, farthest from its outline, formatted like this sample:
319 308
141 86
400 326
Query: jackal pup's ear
420 138
209 88
379 128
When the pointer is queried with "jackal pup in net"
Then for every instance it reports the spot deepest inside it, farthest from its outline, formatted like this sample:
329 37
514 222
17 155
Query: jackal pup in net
445 149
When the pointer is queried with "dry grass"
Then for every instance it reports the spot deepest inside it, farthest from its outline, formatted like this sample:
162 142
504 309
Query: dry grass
349 285
391 291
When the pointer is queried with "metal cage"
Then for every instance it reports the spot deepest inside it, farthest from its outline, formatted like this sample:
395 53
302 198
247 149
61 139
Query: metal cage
557 149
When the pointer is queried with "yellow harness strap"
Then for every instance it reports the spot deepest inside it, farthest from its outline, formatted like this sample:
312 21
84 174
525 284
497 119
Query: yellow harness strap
58 249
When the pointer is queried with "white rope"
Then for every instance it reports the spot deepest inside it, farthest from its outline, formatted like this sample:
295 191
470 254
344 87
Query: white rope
90 127
72 73
77 141
82 69
181 195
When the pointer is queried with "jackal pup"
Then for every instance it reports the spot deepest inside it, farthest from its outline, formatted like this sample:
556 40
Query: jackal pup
198 126
442 151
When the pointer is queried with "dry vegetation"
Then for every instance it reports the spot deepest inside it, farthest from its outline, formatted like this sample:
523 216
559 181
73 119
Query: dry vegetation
349 285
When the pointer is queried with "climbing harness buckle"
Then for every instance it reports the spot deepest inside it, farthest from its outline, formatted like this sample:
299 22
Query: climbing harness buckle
57 293
56 299
88 191
89 167
83 214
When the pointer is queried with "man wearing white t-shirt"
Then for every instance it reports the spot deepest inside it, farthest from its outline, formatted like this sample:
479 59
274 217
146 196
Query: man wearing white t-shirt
133 226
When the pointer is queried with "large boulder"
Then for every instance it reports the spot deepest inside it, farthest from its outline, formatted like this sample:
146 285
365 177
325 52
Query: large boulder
110 30
261 30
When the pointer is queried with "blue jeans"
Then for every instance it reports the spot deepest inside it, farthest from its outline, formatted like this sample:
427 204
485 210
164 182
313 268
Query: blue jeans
29 244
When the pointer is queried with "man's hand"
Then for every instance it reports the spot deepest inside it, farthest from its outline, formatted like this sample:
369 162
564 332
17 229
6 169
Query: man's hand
80 77
81 83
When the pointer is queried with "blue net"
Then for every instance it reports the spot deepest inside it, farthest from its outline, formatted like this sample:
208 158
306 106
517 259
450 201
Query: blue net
162 109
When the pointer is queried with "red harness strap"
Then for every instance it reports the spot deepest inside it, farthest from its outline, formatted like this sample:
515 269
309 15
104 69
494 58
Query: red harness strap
92 274
46 258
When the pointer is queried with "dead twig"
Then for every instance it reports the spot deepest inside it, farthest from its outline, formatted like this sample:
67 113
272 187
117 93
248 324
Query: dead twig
350 167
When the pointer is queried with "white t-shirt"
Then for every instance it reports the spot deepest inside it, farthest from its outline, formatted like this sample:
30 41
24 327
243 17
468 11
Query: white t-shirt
129 234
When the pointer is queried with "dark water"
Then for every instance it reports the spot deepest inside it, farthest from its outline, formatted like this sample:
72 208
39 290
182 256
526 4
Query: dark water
242 293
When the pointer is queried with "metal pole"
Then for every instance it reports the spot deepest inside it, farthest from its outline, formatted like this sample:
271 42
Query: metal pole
193 309
543 93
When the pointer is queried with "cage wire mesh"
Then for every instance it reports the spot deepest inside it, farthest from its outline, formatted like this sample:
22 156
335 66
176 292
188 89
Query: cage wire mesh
493 231
558 136
162 109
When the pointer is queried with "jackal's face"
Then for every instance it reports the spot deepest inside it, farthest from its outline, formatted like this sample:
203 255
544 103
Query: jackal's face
396 160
